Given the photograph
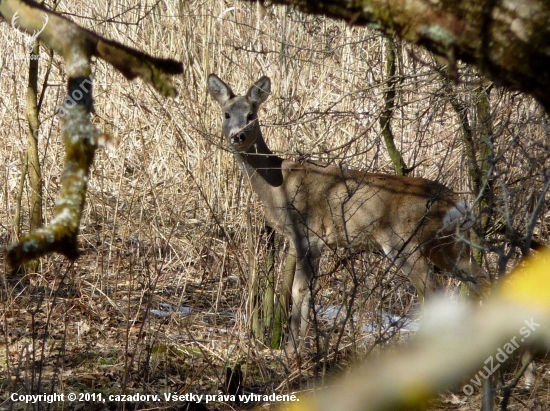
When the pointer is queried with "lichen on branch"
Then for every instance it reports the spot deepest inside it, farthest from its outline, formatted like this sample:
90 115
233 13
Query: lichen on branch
80 138
77 46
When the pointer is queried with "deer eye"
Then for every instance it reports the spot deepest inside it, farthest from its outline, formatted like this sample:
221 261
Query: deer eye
227 116
249 117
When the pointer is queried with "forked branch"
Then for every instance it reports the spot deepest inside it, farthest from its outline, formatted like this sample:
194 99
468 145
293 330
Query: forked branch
77 46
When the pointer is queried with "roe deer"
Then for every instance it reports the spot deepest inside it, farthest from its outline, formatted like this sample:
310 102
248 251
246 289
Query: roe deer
413 220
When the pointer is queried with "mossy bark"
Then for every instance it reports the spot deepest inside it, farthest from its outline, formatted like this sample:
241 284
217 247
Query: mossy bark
80 138
389 106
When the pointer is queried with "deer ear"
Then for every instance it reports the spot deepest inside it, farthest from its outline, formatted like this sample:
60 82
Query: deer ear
260 91
219 91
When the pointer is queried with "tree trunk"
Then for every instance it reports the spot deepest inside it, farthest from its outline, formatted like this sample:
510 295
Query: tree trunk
33 161
483 190
389 105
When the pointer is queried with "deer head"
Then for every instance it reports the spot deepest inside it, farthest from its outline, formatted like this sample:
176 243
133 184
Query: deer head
240 113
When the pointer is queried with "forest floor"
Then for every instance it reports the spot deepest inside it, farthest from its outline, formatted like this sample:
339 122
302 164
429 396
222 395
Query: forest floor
175 341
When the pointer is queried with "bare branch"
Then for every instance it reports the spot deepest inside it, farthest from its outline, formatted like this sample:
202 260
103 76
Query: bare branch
77 46
64 37
442 353
61 234
507 40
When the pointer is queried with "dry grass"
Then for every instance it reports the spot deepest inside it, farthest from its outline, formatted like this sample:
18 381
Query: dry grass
166 221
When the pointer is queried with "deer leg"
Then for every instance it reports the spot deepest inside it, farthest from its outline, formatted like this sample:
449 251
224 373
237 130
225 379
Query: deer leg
307 262
415 267
299 288
530 370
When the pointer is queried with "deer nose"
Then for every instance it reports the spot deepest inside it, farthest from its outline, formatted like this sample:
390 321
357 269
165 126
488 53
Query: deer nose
239 138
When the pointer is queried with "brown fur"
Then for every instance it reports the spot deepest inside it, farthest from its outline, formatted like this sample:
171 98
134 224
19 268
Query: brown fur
314 206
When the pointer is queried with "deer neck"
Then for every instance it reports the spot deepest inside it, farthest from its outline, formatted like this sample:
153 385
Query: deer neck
262 167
